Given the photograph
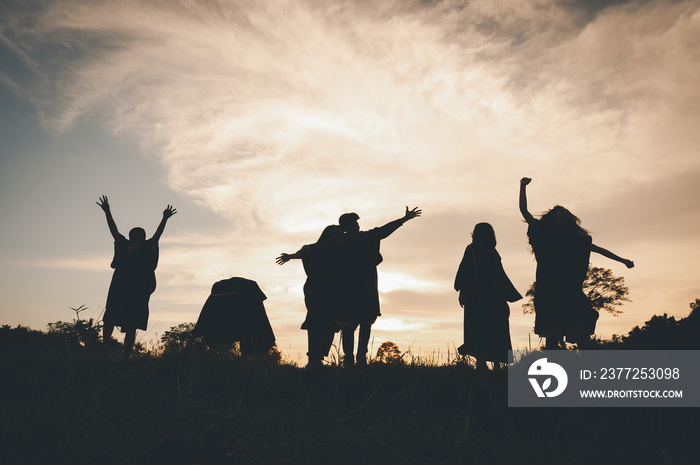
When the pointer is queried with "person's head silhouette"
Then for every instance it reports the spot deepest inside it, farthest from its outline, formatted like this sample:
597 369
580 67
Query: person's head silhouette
484 234
563 218
348 221
137 235
331 236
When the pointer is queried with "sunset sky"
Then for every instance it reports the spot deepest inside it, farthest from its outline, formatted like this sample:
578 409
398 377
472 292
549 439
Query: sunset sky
262 122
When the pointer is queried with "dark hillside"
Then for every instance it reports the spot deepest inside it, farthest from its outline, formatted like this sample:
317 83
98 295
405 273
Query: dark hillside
63 407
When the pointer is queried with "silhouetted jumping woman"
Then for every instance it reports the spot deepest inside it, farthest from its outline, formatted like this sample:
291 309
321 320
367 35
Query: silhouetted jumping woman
562 249
323 291
484 293
134 279
362 252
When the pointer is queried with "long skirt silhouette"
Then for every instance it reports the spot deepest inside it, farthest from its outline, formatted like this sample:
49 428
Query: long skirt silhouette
485 291
235 312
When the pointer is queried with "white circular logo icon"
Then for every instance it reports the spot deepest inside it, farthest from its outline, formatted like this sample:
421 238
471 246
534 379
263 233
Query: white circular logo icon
541 374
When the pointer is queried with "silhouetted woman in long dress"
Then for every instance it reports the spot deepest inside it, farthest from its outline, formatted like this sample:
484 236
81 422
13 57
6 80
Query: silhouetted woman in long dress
134 279
323 291
484 293
562 249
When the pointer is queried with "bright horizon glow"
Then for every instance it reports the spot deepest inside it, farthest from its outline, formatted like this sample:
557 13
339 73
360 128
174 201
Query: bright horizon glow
263 122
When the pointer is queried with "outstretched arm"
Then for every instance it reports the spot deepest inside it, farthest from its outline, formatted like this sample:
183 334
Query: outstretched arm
167 213
612 256
386 230
523 200
285 257
104 205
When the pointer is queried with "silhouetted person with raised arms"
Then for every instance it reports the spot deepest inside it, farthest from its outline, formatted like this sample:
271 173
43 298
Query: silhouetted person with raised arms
562 249
362 252
484 293
323 291
134 279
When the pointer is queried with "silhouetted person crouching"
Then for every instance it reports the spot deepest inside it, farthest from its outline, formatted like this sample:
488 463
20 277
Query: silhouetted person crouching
362 258
134 278
234 312
562 249
484 293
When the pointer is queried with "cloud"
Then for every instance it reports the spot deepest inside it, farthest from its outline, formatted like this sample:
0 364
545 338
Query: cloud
260 111
85 263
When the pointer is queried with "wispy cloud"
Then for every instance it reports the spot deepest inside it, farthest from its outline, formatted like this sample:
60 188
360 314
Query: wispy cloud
260 111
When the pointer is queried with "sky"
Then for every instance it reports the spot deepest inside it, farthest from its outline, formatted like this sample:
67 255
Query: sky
263 121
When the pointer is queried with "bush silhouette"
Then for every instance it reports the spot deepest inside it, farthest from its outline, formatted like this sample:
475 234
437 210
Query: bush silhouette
78 334
389 352
178 339
22 338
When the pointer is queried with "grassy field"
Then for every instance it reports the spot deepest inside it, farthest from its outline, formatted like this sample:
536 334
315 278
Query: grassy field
62 407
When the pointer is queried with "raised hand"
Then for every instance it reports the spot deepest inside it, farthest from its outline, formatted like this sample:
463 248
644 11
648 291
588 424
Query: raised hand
629 263
168 212
282 259
410 214
525 181
103 203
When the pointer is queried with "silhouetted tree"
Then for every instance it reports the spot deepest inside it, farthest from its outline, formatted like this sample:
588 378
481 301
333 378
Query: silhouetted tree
389 352
690 328
661 332
605 291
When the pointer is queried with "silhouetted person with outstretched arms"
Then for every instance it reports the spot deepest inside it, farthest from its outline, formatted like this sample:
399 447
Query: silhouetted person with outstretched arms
362 252
484 293
134 279
562 249
323 291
